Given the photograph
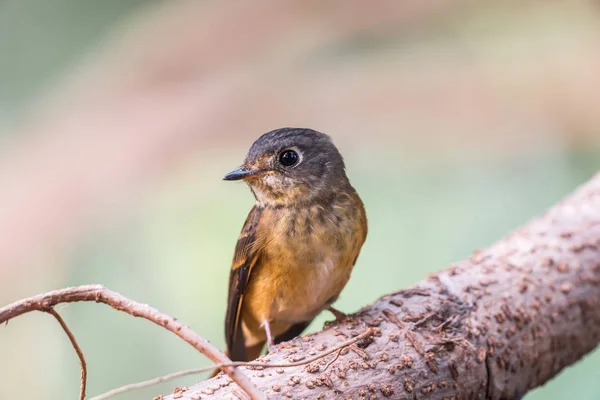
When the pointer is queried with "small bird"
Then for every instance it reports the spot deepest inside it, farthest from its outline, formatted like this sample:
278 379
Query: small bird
299 243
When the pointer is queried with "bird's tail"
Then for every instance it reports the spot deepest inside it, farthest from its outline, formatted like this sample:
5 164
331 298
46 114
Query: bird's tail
252 353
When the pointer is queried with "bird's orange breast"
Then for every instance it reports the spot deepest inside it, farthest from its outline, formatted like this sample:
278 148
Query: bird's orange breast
307 255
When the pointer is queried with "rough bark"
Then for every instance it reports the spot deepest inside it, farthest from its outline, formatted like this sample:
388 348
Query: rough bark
493 326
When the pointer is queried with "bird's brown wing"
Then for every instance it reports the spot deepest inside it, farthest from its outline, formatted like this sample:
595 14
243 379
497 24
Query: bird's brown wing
245 258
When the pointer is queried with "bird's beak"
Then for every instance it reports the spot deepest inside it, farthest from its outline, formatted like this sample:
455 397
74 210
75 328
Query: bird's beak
238 174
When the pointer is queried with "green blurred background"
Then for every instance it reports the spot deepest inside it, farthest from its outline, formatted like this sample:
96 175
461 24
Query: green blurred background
459 121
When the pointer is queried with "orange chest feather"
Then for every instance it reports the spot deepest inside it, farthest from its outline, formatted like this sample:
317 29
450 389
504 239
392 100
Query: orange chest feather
306 259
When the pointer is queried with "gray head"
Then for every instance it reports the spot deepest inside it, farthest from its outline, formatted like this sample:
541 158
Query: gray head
291 165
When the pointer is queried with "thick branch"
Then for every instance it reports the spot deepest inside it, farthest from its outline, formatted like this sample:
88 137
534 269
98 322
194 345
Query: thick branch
493 326
99 294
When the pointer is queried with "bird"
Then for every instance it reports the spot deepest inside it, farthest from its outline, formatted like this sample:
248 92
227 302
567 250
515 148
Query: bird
299 243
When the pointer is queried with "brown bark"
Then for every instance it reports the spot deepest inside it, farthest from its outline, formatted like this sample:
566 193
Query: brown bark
493 326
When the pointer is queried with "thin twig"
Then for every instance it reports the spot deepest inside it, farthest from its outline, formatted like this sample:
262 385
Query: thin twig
75 345
150 382
337 355
100 294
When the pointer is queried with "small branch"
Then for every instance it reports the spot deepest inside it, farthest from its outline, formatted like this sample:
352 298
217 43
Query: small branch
75 345
100 294
150 382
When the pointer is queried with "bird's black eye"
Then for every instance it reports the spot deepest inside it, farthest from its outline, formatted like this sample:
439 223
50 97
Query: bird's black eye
287 158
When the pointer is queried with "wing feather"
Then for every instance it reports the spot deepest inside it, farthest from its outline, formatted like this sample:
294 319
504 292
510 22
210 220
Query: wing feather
245 258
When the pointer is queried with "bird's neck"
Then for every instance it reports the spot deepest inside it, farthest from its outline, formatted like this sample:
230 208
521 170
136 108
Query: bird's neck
297 197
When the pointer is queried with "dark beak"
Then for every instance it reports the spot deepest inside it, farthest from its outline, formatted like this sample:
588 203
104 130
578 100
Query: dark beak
239 174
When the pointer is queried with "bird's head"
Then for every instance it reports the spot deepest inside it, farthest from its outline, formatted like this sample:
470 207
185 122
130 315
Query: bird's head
292 165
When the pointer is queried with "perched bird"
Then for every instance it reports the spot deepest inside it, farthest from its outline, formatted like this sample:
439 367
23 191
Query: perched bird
299 243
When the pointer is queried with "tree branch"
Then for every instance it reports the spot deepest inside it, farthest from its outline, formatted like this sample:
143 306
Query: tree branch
99 294
493 326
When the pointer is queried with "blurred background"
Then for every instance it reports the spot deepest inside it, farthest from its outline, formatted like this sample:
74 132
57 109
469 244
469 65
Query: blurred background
459 121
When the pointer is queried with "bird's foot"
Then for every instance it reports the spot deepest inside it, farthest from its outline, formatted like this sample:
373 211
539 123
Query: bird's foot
271 346
339 316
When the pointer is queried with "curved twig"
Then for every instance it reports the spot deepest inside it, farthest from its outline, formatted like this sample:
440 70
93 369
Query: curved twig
150 382
75 345
100 294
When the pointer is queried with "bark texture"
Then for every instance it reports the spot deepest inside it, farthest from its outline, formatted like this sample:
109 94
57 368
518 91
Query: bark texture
493 326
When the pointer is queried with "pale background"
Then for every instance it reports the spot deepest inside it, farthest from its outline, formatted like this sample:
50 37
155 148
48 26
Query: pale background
459 121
